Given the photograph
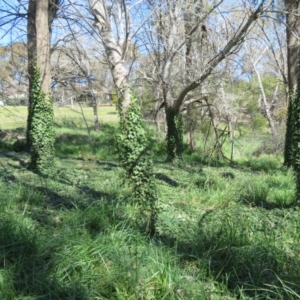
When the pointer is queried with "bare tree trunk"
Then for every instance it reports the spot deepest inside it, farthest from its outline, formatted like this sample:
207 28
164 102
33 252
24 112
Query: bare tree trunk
292 32
266 104
114 51
94 105
43 45
191 117
95 111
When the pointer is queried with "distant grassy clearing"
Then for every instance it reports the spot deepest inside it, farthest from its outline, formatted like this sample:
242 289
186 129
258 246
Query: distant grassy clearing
12 117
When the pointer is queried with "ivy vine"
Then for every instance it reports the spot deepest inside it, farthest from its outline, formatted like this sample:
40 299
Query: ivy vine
174 135
41 133
135 157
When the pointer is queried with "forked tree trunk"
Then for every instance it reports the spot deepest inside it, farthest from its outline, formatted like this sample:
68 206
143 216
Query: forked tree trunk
174 134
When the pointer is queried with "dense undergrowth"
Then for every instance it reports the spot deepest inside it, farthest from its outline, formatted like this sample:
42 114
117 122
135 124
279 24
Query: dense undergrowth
223 232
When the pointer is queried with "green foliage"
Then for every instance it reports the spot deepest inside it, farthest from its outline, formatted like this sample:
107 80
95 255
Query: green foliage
133 147
266 163
258 122
114 97
251 107
41 132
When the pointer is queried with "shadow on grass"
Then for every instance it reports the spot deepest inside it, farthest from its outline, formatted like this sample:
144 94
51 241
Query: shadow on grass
6 146
268 194
262 202
27 265
108 166
239 249
95 209
166 179
48 198
21 158
100 143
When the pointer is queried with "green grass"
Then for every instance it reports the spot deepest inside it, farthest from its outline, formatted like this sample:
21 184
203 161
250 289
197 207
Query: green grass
16 116
223 232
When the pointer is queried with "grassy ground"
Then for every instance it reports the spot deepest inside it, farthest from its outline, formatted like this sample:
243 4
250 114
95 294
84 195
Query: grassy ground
15 116
224 233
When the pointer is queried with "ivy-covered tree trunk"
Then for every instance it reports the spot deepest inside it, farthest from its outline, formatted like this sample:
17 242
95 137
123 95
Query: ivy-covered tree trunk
295 138
290 122
40 137
132 140
297 148
135 157
293 46
42 131
32 54
174 133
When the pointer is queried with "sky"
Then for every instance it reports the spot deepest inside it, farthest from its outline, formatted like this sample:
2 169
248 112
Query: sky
16 31
12 28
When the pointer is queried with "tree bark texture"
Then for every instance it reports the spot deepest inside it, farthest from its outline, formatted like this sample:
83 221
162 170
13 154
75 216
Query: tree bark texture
174 134
114 51
296 135
32 54
38 43
292 32
40 135
43 45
